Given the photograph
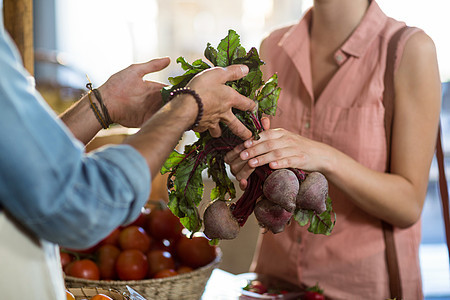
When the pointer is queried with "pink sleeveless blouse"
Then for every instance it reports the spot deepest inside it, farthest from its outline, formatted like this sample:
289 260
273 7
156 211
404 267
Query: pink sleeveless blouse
348 115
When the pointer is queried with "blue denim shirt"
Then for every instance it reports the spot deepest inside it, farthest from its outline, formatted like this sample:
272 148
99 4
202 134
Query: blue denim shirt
47 182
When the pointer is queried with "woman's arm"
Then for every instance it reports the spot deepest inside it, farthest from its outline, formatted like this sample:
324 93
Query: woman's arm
396 197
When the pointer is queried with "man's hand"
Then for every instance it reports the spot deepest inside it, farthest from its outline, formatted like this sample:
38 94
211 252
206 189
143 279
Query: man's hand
130 99
218 100
160 134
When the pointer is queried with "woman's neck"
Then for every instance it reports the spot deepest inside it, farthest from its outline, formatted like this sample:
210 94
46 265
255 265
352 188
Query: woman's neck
333 21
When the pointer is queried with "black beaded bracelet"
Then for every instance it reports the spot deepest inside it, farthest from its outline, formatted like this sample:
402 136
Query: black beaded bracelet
197 98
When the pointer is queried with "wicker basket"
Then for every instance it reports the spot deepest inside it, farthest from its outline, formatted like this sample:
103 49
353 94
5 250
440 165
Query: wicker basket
184 286
88 292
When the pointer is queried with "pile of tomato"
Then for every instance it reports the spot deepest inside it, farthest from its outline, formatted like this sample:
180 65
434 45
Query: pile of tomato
70 296
153 246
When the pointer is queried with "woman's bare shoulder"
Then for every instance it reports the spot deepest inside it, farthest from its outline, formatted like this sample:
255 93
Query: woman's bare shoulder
275 36
418 59
419 45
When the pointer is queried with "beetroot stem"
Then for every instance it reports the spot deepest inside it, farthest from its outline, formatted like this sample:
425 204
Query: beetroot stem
209 147
256 122
299 173
244 207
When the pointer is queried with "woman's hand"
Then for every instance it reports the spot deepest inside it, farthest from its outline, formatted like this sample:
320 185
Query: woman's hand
239 167
130 99
218 100
282 149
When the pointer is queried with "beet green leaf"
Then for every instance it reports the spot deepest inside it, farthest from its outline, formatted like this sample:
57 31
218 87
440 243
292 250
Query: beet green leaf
185 170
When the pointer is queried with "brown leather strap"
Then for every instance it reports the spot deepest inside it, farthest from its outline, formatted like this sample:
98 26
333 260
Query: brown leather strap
443 189
388 231
395 284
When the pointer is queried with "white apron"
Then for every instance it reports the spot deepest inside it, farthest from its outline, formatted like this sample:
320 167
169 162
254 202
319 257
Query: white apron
29 268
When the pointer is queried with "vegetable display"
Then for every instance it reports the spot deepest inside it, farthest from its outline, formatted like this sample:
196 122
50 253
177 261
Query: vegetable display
279 189
153 246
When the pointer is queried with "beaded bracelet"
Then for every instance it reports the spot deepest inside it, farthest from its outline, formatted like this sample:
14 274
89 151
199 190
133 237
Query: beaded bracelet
186 90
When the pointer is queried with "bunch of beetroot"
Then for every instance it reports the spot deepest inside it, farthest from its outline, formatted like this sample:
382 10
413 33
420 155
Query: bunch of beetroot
286 194
274 196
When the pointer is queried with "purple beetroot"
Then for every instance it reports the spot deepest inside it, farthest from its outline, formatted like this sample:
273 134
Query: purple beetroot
313 193
281 187
219 222
271 216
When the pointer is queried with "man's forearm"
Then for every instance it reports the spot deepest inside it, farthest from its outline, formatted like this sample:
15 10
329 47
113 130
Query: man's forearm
160 135
81 120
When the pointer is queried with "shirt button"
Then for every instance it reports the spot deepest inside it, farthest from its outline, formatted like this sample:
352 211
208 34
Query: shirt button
307 125
299 240
339 58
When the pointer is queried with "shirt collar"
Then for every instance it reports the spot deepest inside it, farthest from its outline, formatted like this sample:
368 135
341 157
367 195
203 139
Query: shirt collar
368 30
356 45
298 33
295 43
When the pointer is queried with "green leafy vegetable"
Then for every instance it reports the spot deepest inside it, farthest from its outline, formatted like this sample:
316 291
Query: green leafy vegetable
207 153
322 223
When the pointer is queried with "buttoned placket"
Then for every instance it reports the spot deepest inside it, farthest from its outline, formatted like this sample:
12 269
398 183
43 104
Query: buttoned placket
308 119
307 122
340 58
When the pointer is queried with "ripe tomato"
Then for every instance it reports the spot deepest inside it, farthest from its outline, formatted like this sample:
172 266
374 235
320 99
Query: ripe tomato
257 286
112 238
165 273
159 260
311 295
66 258
184 269
314 293
106 260
163 224
69 295
89 250
84 268
134 237
142 219
101 297
195 252
131 265
165 245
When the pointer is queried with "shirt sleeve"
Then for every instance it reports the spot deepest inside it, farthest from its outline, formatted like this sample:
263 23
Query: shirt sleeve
48 182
